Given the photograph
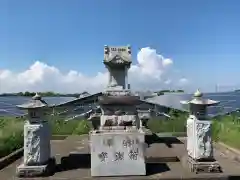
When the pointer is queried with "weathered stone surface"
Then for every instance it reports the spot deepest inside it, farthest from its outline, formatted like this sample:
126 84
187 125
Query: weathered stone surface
117 54
117 120
117 79
118 144
36 171
112 153
118 110
36 143
30 171
118 115
117 61
199 142
190 135
205 148
201 167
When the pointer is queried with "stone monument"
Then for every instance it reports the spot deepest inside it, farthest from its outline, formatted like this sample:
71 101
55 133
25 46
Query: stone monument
119 142
199 140
37 159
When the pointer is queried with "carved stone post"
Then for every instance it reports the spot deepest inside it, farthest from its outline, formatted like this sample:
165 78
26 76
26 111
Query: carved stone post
199 137
37 159
126 78
119 142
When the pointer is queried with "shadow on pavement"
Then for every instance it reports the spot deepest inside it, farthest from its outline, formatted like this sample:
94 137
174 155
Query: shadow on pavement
153 139
162 159
155 168
74 161
234 178
83 161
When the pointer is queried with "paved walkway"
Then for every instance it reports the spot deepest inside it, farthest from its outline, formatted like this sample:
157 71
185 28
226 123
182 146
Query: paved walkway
73 161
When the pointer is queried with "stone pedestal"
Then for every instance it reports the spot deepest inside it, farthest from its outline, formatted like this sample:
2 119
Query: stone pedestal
199 146
37 151
199 136
119 111
199 140
117 120
203 166
37 170
118 147
117 153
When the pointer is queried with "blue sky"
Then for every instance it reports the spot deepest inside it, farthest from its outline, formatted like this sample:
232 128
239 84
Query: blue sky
202 37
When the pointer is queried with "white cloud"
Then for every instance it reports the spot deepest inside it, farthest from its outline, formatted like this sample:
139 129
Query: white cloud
152 71
168 81
183 81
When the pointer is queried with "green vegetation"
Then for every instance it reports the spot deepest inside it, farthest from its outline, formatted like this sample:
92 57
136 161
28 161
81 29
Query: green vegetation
76 126
11 131
44 94
177 123
11 135
54 94
225 128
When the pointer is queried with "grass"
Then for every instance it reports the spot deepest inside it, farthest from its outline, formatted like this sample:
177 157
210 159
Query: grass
11 131
225 129
11 135
177 123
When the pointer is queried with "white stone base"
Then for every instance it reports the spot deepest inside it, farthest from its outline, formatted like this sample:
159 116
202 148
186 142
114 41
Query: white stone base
118 153
212 166
36 171
31 171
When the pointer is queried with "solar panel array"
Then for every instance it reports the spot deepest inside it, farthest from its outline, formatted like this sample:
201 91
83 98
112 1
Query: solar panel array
228 101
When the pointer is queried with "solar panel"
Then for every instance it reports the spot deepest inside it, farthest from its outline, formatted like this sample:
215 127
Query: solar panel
228 102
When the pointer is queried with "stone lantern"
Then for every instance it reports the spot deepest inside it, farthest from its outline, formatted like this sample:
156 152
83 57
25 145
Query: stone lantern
199 140
37 159
119 142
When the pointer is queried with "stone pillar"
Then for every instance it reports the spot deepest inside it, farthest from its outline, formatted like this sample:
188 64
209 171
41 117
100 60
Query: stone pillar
199 140
109 77
126 78
119 143
37 159
37 149
199 137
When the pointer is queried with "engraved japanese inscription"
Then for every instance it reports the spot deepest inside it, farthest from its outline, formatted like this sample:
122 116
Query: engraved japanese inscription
129 142
133 154
119 156
103 156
